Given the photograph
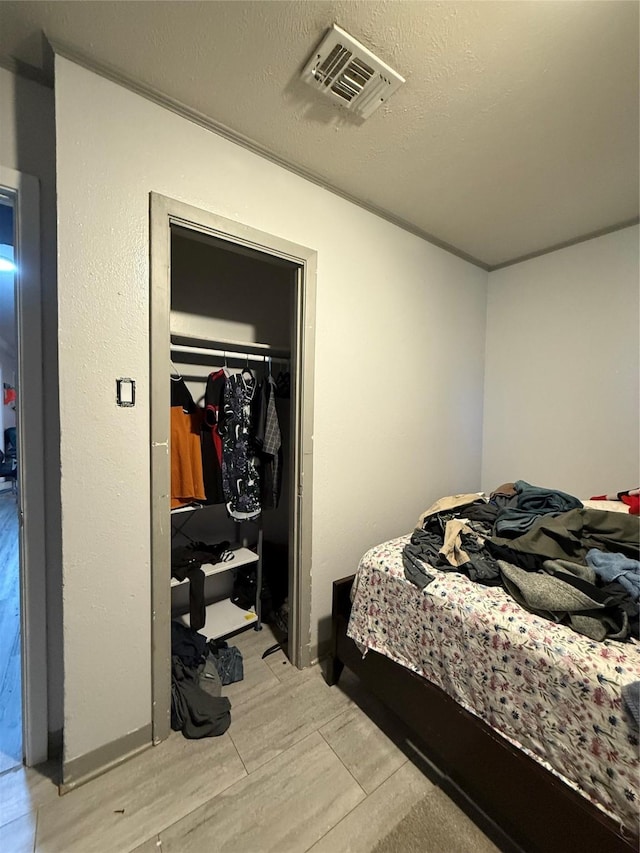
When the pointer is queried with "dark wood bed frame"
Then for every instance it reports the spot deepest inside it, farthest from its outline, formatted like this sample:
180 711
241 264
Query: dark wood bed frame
514 799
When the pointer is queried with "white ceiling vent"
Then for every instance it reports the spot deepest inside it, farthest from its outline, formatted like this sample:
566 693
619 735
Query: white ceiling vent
348 73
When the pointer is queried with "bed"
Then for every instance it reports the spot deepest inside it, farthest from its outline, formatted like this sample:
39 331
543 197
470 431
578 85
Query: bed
522 718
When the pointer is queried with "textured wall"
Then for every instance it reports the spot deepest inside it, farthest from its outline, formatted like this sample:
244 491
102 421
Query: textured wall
399 372
562 379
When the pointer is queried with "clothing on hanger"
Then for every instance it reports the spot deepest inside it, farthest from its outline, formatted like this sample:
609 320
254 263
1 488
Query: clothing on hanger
187 482
269 440
240 478
212 438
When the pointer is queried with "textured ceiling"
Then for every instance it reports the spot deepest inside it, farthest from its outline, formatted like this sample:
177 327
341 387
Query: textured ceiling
517 128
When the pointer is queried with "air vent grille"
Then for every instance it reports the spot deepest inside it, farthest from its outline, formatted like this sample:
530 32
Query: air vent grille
346 71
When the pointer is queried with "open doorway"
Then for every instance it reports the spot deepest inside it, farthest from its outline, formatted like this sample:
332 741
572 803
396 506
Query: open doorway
23 575
10 641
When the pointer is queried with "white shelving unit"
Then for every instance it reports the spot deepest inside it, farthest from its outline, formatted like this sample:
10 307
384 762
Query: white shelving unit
241 557
179 509
223 617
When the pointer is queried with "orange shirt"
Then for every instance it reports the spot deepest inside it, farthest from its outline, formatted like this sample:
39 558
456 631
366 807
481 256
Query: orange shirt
187 484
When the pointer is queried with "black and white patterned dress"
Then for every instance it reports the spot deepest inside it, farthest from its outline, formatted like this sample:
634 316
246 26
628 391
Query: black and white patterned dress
240 480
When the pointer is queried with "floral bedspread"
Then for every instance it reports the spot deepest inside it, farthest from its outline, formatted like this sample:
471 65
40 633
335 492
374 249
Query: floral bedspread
551 692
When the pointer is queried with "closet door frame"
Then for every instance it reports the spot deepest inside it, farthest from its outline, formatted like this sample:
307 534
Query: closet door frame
166 212
25 192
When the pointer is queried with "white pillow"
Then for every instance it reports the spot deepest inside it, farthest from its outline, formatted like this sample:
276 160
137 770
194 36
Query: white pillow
610 506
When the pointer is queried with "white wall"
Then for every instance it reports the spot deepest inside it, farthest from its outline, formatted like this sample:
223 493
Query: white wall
562 378
399 372
27 144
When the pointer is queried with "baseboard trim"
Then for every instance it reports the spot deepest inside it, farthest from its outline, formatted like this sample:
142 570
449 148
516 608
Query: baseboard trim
80 770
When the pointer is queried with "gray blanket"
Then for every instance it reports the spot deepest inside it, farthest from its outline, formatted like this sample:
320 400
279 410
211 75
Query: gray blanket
528 505
563 594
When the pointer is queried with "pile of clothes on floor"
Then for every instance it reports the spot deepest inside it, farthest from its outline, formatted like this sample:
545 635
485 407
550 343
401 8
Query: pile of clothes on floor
199 670
557 558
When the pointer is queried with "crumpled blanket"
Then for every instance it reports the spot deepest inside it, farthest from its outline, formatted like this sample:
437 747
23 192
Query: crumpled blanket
541 500
528 505
562 595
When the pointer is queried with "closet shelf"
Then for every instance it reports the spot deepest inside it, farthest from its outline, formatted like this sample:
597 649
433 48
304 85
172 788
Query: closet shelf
241 557
219 347
179 509
223 618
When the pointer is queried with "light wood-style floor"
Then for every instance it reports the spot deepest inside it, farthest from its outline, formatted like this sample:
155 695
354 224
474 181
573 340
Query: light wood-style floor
10 695
302 768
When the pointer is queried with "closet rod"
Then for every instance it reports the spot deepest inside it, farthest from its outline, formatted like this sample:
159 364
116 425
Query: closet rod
229 354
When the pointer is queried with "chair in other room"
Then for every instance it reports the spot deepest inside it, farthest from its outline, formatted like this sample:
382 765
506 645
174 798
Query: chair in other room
9 470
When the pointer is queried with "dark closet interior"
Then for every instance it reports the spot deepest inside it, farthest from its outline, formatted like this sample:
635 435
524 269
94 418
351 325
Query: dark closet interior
233 315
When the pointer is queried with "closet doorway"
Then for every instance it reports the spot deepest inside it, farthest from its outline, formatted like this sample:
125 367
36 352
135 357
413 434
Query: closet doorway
225 297
10 640
23 611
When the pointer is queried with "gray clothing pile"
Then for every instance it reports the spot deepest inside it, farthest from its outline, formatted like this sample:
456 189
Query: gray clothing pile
417 554
571 536
565 592
447 540
527 505
194 711
569 564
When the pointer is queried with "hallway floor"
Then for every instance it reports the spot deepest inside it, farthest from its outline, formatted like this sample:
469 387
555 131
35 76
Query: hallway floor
303 767
10 693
